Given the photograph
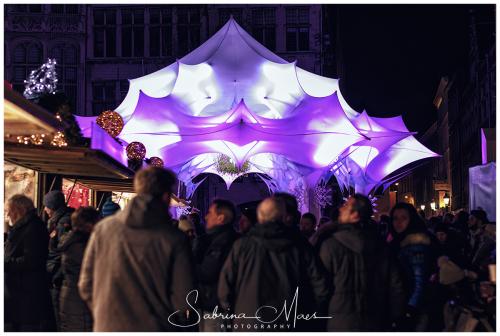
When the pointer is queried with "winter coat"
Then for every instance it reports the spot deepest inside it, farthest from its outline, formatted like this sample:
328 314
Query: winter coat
265 268
212 250
61 222
74 313
137 270
417 260
368 290
26 295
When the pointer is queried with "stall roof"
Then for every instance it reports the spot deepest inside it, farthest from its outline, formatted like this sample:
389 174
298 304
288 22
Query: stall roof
23 117
67 161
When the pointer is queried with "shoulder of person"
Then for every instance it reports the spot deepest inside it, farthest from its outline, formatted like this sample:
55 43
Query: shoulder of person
418 238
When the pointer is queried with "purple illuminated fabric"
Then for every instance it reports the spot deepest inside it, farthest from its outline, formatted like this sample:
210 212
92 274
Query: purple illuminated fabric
233 96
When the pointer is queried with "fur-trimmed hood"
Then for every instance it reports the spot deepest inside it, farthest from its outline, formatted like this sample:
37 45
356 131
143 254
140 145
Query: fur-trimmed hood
418 238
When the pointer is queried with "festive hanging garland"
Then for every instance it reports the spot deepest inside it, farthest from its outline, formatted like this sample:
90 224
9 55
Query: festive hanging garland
224 165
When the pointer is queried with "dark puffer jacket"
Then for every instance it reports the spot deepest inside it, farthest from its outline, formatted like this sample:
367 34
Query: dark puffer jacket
265 268
368 290
211 252
26 294
74 313
416 257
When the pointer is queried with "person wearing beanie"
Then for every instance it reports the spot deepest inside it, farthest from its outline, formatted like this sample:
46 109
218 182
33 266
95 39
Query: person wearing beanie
450 244
58 224
109 208
248 219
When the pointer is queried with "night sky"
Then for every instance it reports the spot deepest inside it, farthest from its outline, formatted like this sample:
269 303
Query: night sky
395 55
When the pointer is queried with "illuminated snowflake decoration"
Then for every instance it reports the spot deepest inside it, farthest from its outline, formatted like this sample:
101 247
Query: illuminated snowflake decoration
322 195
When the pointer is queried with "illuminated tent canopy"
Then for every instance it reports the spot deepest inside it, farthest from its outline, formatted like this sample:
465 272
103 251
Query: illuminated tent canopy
232 96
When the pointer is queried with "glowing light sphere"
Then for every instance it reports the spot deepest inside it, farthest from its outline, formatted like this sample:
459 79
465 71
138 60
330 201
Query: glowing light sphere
111 122
136 151
156 161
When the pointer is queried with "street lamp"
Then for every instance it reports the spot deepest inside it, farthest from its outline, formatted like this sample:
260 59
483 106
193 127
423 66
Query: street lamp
422 207
446 199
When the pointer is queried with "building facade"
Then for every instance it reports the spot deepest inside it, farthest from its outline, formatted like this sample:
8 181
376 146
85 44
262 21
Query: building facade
98 48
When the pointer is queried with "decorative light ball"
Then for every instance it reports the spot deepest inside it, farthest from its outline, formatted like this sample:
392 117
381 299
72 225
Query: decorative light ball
136 151
156 161
111 122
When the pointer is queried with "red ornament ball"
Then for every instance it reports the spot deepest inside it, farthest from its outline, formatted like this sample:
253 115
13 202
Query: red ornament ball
111 122
156 161
136 151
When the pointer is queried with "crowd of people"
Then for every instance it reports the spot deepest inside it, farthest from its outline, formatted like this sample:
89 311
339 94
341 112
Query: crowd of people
267 269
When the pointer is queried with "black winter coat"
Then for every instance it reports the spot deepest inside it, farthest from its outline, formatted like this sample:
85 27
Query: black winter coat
268 266
61 222
74 313
211 251
26 296
368 290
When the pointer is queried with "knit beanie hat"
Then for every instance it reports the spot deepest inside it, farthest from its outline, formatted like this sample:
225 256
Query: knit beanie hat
185 225
54 200
109 208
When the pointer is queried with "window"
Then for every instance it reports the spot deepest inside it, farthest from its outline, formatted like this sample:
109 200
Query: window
188 29
123 88
66 68
160 32
26 58
264 26
103 96
225 14
64 9
104 33
27 8
297 29
132 32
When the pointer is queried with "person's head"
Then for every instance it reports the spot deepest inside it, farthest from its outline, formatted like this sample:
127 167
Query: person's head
308 223
461 217
53 201
109 208
186 226
323 220
441 231
421 213
357 209
448 218
195 218
84 219
404 218
248 219
18 206
292 213
220 212
478 218
156 182
271 209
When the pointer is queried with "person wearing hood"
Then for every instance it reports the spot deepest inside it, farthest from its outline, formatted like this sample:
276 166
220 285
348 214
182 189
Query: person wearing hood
267 267
411 244
368 290
59 224
137 269
212 250
109 208
74 313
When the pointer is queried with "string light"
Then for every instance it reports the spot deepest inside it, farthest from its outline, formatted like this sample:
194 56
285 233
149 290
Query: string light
42 80
59 140
111 122
34 139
